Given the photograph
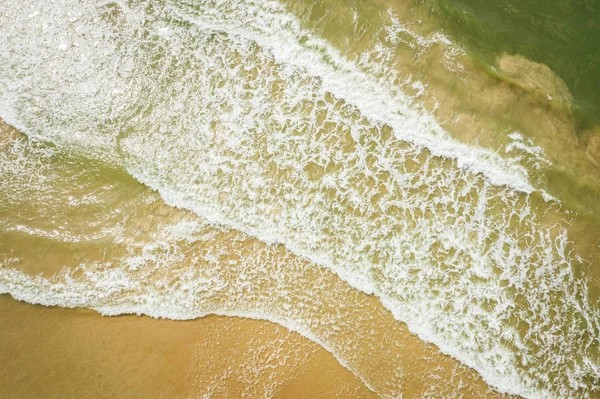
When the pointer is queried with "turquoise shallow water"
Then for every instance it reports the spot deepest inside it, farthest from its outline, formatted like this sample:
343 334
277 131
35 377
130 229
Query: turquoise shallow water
563 34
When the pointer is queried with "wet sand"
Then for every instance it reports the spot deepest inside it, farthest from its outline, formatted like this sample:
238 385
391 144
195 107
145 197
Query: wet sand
75 353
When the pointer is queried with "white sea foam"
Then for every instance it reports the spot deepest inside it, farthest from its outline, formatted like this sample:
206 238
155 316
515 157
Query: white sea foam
156 306
188 270
267 24
187 285
527 150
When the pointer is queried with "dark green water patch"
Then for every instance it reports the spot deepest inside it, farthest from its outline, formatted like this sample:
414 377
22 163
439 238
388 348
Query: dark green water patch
562 34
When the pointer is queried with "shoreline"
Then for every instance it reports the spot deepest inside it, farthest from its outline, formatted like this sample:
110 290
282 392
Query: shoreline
136 356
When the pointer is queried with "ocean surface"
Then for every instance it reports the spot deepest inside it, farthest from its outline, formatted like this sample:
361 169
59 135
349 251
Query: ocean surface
413 186
563 35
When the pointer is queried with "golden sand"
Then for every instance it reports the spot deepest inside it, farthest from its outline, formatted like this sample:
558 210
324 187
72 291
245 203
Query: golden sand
67 353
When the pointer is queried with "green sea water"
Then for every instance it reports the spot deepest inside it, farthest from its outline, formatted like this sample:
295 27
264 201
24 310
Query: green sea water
563 34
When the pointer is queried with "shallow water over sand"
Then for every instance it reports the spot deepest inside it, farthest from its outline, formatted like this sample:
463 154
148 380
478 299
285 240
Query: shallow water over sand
175 265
